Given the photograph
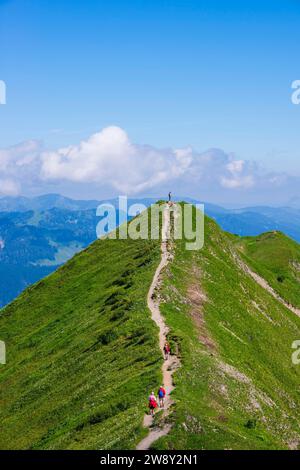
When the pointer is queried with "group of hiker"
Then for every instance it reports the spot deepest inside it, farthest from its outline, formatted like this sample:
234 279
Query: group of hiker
159 400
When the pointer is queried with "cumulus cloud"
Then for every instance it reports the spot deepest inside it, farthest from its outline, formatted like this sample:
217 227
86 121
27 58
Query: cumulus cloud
109 156
18 164
109 159
9 187
238 176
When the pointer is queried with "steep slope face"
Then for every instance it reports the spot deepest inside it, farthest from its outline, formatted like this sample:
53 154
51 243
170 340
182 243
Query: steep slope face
82 352
275 257
237 387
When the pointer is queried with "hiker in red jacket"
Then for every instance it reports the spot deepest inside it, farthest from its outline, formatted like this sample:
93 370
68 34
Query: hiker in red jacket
152 403
161 396
167 350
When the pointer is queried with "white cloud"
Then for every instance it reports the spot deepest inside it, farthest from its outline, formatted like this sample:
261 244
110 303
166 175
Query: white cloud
110 157
9 187
238 182
18 164
240 175
110 162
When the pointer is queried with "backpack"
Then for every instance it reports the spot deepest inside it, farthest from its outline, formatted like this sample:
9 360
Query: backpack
161 393
152 403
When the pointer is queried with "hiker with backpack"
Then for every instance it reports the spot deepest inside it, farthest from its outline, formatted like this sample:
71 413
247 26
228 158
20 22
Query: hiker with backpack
152 403
167 350
161 396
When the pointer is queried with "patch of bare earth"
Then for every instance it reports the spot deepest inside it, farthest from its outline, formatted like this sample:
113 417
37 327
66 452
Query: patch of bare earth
196 299
293 444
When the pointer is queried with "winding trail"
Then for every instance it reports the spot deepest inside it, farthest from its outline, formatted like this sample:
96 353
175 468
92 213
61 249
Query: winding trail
173 363
265 285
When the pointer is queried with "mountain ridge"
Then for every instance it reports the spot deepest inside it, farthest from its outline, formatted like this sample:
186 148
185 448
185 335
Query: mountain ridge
58 227
87 327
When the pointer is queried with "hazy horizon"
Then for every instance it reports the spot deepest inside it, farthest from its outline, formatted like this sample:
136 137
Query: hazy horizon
155 198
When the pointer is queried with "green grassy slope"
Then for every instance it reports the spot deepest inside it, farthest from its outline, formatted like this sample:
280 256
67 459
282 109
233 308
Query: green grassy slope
276 257
82 352
237 387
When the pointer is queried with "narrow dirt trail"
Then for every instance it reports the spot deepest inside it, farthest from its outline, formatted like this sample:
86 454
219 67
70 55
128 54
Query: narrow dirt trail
265 285
172 364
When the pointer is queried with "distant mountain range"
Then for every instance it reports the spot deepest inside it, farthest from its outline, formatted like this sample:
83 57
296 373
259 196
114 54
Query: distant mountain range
39 234
33 244
244 221
255 220
44 203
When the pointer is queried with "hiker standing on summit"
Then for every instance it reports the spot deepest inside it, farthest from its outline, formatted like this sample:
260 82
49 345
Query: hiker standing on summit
170 195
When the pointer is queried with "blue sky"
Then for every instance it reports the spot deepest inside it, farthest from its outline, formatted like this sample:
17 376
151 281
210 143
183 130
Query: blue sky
205 74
